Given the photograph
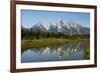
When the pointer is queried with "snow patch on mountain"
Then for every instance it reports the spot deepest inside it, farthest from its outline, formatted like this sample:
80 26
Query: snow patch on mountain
67 28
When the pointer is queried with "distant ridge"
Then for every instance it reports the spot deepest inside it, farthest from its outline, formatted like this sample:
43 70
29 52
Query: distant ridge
67 28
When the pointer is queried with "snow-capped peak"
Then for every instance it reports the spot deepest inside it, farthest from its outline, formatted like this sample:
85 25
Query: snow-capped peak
65 27
38 26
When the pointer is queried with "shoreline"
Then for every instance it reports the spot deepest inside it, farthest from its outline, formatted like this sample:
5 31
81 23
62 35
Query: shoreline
38 43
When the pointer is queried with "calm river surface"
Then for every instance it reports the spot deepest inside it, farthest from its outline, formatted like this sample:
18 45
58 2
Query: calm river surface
69 51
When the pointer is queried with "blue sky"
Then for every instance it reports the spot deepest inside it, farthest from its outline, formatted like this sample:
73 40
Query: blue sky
32 17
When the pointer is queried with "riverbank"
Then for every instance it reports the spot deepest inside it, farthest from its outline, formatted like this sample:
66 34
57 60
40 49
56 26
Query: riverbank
37 43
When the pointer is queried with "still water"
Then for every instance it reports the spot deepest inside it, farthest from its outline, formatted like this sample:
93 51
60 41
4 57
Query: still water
69 51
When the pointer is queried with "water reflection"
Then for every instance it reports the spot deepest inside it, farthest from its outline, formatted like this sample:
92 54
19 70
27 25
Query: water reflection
69 51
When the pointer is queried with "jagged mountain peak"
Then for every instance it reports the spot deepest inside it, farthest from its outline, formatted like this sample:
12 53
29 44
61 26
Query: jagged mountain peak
74 24
59 22
38 26
66 27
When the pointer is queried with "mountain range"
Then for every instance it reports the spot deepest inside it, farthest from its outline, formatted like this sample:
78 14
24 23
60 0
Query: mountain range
67 28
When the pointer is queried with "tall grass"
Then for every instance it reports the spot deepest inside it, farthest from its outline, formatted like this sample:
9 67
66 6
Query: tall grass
46 42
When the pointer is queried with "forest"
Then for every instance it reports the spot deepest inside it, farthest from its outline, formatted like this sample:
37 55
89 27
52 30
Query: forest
29 34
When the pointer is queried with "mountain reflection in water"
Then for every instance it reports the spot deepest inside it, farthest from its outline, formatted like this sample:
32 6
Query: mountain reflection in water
69 51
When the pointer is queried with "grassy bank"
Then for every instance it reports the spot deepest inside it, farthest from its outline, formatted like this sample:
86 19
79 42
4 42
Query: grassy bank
47 42
87 50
